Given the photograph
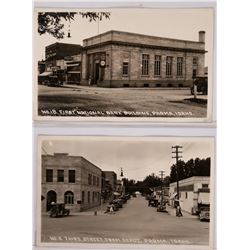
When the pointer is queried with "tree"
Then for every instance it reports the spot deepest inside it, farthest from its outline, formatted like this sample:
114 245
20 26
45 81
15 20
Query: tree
152 181
197 167
51 22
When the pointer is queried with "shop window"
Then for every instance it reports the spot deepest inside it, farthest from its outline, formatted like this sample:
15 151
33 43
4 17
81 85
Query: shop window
157 68
69 197
145 63
72 176
49 175
60 175
125 68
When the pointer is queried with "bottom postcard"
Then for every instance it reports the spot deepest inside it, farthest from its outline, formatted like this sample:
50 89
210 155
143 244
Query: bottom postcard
126 191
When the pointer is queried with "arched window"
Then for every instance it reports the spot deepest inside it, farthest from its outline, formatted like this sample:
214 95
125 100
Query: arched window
69 197
51 197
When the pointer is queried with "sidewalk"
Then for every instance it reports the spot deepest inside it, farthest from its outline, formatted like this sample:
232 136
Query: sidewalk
172 211
93 211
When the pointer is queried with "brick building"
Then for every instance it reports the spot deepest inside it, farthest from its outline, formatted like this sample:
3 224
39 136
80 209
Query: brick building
64 57
72 180
122 59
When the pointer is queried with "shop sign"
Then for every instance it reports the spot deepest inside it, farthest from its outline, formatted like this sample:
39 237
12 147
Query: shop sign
68 58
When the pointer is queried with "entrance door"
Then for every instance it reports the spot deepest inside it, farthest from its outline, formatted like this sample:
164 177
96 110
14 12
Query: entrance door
51 197
194 73
96 72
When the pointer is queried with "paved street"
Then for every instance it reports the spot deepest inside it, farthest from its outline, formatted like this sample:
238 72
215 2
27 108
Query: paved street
135 222
83 98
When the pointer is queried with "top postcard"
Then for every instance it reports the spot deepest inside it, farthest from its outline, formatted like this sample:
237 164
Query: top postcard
153 65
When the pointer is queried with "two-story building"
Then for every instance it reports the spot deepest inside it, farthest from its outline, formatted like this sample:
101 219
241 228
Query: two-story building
72 180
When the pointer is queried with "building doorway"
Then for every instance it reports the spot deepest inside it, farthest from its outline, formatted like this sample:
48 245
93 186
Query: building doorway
96 72
51 197
194 73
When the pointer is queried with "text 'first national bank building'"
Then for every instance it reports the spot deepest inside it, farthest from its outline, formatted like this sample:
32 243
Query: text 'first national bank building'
122 59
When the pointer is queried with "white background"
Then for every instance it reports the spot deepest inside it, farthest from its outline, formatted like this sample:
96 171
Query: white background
233 125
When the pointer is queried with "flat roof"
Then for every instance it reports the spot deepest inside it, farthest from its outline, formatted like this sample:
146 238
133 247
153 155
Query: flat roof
139 34
56 155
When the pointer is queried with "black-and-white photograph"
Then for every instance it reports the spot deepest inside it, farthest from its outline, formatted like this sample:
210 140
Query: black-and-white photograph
123 64
125 190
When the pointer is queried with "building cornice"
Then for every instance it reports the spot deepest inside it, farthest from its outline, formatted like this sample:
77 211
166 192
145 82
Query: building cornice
146 46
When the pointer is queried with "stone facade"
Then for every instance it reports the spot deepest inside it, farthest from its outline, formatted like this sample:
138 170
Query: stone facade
72 180
123 54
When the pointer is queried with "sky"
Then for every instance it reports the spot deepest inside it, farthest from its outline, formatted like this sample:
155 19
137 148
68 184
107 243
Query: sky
172 23
137 156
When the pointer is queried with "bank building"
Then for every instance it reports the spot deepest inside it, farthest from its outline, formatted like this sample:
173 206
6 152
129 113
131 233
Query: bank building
122 59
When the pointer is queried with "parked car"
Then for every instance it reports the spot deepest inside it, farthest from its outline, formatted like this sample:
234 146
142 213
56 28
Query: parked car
162 208
153 202
118 202
204 213
58 210
54 81
201 84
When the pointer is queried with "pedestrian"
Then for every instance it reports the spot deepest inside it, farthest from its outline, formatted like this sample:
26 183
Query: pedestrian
178 211
111 209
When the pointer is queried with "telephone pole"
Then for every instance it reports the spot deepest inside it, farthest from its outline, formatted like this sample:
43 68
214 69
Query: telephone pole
161 176
123 191
177 157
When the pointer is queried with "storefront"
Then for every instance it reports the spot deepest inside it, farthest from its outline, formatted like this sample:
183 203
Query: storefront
73 72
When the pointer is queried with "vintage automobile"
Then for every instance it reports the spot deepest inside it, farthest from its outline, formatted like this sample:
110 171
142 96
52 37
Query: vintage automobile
162 208
58 210
201 84
153 202
204 213
119 202
54 81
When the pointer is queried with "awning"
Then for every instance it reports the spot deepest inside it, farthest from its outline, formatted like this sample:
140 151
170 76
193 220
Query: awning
72 65
46 73
116 193
74 72
173 195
